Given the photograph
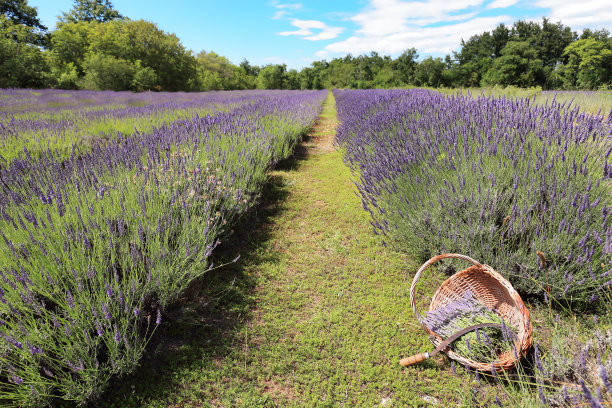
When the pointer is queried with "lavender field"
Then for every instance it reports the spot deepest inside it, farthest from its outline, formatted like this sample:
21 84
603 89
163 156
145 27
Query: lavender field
110 204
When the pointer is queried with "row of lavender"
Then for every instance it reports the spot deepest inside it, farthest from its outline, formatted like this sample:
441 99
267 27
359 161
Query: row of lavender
494 178
94 246
52 119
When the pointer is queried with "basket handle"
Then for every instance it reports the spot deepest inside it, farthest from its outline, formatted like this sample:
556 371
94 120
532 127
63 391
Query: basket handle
423 267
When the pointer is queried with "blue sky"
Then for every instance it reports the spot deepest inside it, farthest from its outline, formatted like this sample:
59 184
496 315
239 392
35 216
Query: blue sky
298 32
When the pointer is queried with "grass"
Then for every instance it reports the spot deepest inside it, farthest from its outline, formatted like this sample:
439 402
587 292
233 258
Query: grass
315 313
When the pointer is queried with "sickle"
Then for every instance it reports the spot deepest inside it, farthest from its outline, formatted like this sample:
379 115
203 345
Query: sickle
417 358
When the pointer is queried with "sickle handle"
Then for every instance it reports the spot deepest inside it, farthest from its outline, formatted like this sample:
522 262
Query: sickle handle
417 358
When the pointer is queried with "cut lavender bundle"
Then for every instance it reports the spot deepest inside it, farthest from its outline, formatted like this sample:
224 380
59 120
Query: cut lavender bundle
482 345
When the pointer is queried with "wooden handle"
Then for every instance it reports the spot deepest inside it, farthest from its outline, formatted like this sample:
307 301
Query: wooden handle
417 358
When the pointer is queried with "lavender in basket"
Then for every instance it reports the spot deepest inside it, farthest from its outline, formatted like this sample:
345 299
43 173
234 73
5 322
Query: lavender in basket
481 345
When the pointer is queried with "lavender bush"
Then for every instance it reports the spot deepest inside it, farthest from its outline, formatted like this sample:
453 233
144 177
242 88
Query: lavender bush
95 245
493 178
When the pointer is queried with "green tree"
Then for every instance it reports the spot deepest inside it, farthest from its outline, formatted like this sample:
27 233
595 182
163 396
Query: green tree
340 73
107 72
272 76
251 70
429 72
386 78
525 30
475 58
70 43
551 42
91 10
499 38
589 64
217 72
22 64
292 79
405 64
518 65
174 67
306 76
599 35
19 12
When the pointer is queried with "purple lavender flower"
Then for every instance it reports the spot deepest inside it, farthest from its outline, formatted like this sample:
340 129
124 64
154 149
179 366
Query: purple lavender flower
105 311
537 358
604 378
542 396
564 394
109 291
70 299
589 396
99 329
33 349
158 320
16 379
117 334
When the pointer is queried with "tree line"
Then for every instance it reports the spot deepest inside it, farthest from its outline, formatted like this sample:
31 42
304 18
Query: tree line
95 47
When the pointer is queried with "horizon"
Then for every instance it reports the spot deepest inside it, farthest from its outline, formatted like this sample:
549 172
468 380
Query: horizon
300 32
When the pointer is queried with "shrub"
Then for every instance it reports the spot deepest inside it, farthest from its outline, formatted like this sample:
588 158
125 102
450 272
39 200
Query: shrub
106 72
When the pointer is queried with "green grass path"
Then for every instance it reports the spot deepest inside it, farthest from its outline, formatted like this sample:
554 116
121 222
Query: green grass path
316 312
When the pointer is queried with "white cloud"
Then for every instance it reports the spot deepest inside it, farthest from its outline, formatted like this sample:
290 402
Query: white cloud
438 26
279 14
431 26
594 14
390 16
501 4
285 9
305 28
288 6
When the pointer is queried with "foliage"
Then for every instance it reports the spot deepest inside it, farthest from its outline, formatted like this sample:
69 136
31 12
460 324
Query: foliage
526 54
133 46
493 178
217 72
91 10
272 76
517 66
589 64
107 72
22 64
429 72
19 12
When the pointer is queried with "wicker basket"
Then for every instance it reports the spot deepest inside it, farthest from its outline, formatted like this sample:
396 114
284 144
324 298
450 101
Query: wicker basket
495 293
